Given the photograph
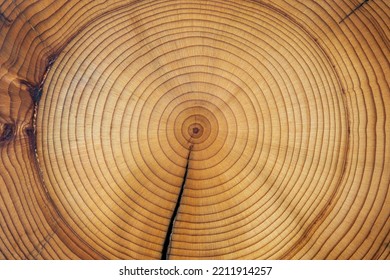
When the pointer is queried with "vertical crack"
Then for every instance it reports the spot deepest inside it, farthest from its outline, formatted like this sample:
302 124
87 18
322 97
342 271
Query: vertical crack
168 238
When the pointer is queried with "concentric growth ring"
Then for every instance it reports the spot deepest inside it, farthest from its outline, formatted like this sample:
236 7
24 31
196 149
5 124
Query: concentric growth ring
243 86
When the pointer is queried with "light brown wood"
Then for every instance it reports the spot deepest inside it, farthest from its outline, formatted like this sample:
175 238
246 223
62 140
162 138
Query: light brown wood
271 118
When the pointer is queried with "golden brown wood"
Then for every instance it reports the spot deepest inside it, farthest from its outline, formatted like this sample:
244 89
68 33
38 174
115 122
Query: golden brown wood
264 123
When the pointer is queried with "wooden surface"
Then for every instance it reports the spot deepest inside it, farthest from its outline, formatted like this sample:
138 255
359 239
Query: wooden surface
265 123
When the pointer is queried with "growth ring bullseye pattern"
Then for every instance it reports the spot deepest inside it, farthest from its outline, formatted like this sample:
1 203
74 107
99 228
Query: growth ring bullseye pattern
244 86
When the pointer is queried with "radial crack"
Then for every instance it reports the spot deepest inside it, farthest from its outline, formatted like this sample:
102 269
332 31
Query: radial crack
354 10
168 238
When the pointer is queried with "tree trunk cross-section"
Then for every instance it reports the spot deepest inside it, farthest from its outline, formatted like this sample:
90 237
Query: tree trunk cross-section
183 129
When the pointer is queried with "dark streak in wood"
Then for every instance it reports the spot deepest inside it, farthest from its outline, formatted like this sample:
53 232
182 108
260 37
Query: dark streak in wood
36 90
8 132
31 138
5 19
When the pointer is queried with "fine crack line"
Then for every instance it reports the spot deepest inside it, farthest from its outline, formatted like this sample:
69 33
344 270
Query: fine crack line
354 10
168 238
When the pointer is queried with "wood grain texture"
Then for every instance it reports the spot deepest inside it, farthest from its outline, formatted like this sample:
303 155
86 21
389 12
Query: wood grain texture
223 129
